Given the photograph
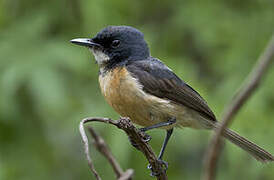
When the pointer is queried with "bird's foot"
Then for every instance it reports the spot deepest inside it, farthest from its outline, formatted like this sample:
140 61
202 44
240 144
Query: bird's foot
164 165
145 138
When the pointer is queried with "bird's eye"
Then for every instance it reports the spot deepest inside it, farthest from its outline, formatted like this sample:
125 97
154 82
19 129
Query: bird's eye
115 43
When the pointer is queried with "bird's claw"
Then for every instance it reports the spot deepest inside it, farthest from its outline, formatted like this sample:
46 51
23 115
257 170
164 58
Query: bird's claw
145 138
163 163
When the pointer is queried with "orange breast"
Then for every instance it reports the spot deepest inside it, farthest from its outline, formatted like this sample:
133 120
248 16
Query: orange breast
124 93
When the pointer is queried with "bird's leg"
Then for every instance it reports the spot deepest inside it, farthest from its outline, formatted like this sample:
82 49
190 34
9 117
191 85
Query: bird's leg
147 138
161 124
158 125
168 134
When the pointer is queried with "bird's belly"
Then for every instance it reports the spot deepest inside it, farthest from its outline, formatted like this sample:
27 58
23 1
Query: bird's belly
124 93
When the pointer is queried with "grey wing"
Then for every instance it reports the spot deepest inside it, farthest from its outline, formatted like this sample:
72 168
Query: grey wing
158 80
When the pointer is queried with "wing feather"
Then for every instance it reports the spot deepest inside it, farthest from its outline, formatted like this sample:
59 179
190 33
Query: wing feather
158 80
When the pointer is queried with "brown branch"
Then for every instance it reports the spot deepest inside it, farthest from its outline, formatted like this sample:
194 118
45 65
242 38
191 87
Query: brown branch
248 87
103 148
136 136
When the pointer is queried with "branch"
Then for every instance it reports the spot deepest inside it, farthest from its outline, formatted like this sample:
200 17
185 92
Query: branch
85 141
103 148
135 135
248 87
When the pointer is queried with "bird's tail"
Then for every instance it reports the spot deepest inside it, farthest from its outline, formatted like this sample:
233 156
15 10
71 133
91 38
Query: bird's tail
257 152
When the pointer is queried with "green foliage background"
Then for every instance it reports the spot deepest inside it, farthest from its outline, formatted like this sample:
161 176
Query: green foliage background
47 85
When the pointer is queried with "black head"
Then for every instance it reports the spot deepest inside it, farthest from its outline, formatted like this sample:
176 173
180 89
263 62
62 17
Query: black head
116 44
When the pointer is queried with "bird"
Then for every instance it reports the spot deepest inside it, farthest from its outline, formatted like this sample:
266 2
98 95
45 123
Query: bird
141 87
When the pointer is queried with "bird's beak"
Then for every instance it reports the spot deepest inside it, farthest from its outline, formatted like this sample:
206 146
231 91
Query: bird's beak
85 42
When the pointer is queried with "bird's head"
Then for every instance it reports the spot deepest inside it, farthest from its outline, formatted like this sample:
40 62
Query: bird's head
116 44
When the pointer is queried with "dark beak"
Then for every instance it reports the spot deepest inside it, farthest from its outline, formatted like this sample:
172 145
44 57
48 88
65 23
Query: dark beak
85 42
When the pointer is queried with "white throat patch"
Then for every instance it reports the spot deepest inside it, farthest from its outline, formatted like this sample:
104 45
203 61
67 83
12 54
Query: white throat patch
100 57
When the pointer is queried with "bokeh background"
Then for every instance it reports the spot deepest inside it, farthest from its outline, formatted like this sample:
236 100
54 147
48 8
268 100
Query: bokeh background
47 85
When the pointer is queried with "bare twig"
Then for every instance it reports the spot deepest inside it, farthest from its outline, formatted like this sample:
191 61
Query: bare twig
127 175
135 135
103 148
246 90
85 141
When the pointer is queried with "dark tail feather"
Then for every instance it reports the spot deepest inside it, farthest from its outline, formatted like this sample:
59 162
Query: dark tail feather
257 152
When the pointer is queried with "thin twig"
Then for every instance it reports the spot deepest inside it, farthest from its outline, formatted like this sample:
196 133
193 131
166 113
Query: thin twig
85 141
246 90
136 136
127 175
103 148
